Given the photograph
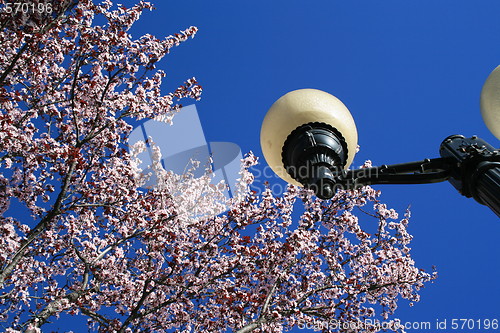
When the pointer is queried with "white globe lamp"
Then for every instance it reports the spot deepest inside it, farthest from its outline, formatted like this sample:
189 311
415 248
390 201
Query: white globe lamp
308 138
490 102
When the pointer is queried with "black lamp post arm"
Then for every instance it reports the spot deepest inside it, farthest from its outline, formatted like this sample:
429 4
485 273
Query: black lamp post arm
419 172
315 154
471 165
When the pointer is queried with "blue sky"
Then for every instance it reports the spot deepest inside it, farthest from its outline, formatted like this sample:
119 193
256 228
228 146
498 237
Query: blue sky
409 71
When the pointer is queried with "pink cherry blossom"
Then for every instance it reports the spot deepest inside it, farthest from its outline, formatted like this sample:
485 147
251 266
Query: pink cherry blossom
80 236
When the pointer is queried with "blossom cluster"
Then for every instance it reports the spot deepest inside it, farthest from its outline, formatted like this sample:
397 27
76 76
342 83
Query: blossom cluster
81 236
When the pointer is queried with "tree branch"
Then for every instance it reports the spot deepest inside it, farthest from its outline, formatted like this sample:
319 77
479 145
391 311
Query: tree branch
26 44
95 316
134 313
53 308
250 327
40 227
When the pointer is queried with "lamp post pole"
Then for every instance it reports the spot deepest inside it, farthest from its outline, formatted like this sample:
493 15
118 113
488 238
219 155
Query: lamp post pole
475 171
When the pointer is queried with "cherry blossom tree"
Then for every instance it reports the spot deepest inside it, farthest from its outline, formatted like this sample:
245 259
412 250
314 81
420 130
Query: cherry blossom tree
81 237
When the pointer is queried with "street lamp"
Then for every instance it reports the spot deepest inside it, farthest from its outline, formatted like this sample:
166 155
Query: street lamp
306 136
490 102
309 139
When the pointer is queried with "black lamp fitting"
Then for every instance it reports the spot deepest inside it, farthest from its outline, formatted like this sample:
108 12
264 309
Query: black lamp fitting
315 154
